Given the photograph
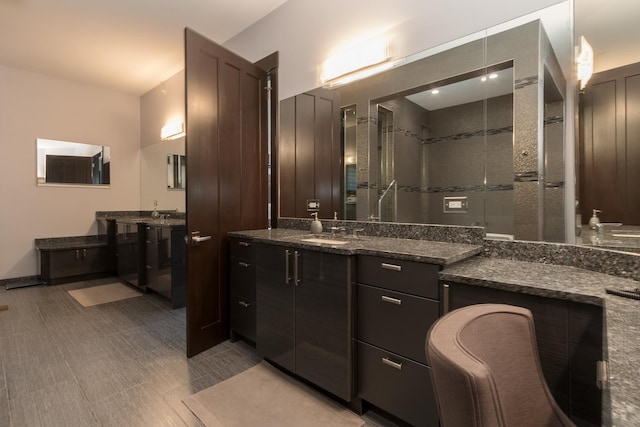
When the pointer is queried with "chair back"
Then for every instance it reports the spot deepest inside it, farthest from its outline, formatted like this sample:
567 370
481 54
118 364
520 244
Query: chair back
486 370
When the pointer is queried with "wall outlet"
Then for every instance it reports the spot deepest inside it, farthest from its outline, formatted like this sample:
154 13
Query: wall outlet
455 204
313 205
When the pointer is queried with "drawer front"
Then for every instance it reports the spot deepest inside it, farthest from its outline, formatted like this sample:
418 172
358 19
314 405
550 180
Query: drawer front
243 248
396 385
242 276
395 321
403 276
243 317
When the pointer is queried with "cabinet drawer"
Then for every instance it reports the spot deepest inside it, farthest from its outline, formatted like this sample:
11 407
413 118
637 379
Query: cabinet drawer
404 276
243 248
395 321
396 385
243 317
243 277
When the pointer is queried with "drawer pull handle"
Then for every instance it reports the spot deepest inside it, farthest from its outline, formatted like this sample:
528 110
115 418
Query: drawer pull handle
243 264
244 304
393 267
391 363
395 301
245 244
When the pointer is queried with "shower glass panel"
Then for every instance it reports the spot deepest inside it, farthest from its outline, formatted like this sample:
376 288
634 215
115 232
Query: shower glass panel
349 139
553 147
387 186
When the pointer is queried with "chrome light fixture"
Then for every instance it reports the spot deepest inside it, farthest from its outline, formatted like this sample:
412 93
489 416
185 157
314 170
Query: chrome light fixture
584 62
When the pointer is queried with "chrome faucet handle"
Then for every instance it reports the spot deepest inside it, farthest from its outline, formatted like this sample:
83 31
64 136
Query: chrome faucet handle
356 231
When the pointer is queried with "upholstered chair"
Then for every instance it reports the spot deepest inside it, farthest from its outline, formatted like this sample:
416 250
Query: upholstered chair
486 370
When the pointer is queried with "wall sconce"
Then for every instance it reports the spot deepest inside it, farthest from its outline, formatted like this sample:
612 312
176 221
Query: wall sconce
585 62
172 130
357 62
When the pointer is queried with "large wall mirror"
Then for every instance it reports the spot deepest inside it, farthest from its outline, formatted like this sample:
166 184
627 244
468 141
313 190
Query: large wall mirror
163 175
470 134
608 151
72 163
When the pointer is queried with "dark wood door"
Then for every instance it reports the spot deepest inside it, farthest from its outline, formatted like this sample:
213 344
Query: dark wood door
610 146
310 154
226 144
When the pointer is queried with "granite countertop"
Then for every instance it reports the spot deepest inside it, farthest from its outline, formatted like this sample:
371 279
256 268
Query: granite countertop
75 242
621 403
174 218
167 222
441 253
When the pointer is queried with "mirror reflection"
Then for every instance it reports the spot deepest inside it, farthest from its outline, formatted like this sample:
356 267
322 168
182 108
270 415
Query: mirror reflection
489 152
62 162
176 171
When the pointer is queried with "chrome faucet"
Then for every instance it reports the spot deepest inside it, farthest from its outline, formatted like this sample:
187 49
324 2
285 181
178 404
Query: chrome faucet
333 230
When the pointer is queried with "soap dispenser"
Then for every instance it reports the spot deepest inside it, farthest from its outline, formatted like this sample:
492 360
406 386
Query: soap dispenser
155 214
316 225
594 220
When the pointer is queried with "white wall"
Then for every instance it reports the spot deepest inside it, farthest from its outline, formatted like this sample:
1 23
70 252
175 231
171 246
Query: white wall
306 31
158 106
37 106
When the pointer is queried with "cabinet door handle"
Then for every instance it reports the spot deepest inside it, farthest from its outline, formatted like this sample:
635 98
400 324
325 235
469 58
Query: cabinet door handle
244 304
243 264
445 299
287 277
245 244
77 253
391 363
391 300
84 253
296 276
393 267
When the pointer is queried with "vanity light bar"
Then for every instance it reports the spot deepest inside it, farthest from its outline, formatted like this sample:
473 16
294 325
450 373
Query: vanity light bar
356 62
172 130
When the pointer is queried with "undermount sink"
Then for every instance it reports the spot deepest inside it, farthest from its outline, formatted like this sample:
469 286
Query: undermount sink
325 241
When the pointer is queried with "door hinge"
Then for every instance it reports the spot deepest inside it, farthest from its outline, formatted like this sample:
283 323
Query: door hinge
602 380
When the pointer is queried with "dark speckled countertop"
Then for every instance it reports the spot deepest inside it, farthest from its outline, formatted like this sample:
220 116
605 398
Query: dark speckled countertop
621 401
503 266
441 253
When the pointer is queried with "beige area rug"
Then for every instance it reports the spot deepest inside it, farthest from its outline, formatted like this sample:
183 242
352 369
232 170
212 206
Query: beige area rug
263 396
103 294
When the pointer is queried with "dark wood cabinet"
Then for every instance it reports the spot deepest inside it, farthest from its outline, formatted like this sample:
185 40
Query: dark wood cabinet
398 301
304 315
165 263
242 284
131 257
66 265
569 338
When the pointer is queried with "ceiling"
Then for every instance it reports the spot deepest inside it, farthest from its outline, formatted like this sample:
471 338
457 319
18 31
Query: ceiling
128 45
134 45
611 27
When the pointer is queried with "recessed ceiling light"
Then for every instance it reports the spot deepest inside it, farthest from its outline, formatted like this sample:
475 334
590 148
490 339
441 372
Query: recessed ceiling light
493 76
435 92
483 79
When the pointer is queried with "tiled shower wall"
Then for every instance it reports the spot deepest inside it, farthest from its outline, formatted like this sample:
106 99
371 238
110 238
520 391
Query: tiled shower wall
519 208
459 154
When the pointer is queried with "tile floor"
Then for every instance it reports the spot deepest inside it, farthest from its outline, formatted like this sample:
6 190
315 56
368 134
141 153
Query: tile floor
116 364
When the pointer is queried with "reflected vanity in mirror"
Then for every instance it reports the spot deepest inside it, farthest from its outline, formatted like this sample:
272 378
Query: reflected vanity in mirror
488 153
72 163
176 172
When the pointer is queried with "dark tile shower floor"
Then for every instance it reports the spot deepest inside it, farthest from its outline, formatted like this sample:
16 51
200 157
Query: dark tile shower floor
116 364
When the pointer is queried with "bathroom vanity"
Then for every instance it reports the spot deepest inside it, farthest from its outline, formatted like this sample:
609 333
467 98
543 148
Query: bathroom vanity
584 335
